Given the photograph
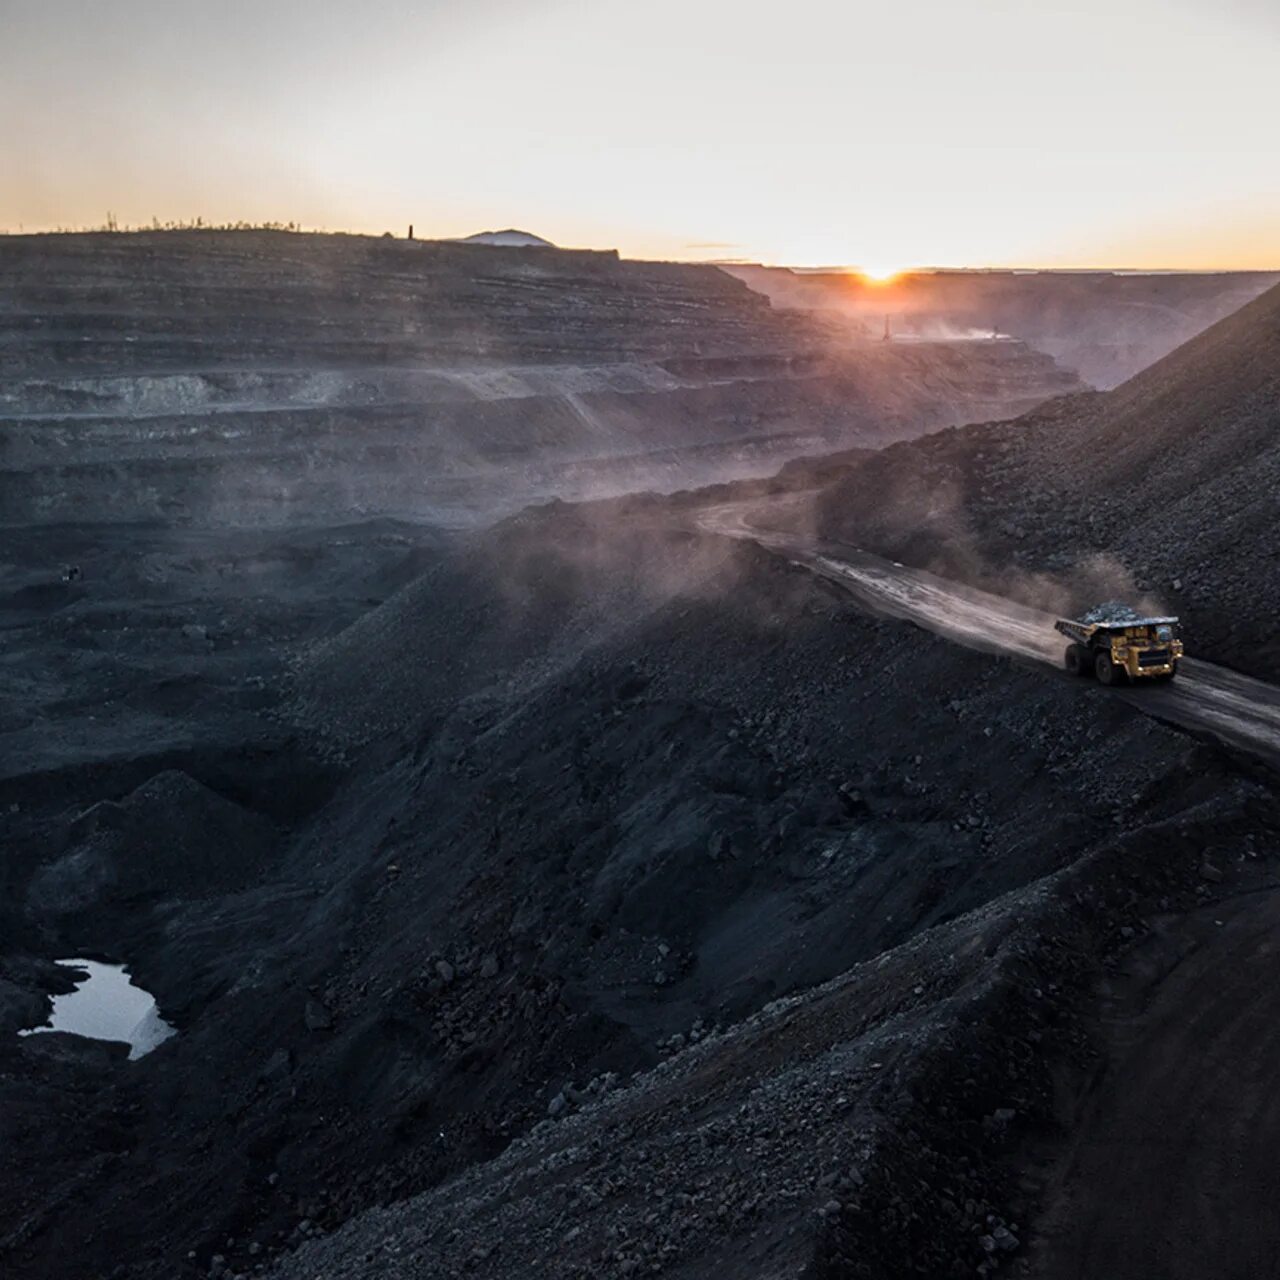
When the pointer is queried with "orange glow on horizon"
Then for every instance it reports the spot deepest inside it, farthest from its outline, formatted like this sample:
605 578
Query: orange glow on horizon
879 273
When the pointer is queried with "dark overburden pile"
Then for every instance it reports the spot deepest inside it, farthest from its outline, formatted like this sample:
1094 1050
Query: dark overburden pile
597 852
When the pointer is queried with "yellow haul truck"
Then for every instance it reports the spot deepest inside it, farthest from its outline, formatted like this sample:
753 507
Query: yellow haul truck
1117 645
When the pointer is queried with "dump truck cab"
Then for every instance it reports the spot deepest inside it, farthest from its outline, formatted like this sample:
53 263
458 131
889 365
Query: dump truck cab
1118 645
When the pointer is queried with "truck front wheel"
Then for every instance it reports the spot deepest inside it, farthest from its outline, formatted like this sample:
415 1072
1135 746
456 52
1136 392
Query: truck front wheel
1106 670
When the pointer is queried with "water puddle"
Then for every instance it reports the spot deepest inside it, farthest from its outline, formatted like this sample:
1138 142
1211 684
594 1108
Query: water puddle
107 1006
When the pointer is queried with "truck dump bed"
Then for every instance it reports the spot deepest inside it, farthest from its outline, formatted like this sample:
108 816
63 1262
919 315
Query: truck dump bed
1083 631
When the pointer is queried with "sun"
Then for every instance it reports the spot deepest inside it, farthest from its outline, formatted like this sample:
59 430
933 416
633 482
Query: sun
879 272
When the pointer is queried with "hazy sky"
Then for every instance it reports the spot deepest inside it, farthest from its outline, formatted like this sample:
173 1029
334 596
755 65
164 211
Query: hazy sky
900 132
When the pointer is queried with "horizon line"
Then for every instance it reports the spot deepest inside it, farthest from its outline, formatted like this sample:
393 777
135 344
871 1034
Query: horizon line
199 227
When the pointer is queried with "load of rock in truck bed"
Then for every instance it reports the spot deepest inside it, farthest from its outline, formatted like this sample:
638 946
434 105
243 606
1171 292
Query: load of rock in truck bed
1115 613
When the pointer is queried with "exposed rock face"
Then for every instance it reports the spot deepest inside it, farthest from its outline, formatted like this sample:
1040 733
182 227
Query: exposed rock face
260 377
1106 326
1163 490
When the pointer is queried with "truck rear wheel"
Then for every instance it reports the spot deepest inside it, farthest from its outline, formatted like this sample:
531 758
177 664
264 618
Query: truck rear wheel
1076 660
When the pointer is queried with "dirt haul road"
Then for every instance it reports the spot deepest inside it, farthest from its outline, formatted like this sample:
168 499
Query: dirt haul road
1235 709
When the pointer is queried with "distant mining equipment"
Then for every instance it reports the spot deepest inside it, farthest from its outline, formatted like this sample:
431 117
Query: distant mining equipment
888 328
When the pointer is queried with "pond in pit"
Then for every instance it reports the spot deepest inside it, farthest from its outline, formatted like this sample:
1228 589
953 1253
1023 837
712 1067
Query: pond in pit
107 1006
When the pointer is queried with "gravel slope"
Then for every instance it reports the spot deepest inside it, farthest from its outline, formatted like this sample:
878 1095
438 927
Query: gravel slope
1164 490
1170 1170
583 786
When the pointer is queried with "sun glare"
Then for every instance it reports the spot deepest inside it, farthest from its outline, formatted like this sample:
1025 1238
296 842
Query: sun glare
878 273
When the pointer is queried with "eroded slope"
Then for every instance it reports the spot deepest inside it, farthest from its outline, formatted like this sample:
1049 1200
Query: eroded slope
273 378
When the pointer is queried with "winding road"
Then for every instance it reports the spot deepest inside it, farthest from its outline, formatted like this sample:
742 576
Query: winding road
1208 699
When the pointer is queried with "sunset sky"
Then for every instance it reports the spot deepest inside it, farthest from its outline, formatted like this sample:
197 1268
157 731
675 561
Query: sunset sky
907 132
